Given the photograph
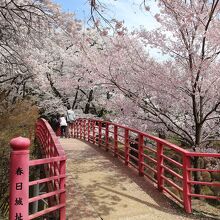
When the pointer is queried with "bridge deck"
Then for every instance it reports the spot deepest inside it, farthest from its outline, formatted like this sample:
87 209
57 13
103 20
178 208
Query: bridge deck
99 187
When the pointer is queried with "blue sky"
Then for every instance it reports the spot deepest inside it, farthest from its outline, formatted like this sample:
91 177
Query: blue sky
127 10
79 7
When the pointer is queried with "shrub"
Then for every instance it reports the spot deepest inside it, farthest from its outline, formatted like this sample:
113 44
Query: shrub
16 120
215 176
206 176
205 190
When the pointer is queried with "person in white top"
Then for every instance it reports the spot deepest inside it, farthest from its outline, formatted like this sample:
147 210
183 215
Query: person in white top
63 126
70 118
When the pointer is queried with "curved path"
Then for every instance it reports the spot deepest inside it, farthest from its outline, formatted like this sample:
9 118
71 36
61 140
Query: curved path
100 187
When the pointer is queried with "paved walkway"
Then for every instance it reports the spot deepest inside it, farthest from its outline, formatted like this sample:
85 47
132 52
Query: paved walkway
100 187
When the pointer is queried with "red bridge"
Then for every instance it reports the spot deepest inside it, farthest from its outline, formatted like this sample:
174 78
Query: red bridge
113 173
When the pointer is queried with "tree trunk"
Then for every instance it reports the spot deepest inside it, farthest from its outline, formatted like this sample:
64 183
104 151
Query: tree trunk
196 175
63 98
87 107
196 164
76 97
162 134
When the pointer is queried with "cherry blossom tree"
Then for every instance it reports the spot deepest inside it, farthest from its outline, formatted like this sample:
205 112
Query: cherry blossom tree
20 21
180 95
34 51
189 33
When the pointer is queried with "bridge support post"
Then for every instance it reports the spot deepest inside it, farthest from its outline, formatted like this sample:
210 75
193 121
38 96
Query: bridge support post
19 178
186 185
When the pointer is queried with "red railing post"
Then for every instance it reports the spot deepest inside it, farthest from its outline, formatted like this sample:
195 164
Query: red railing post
77 129
70 132
140 155
19 178
100 134
160 169
93 132
186 185
80 126
45 146
107 135
62 187
74 124
84 129
88 130
126 147
115 141
74 127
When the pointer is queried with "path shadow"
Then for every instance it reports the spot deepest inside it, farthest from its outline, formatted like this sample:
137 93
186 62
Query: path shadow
103 204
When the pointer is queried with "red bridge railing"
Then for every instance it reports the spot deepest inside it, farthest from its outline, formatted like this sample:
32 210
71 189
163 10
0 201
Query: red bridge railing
54 166
165 164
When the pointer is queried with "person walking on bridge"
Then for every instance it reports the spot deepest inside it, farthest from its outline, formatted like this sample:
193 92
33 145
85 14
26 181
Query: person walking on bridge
70 118
63 126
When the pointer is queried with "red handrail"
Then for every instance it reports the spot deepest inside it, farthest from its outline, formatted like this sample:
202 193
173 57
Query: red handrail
54 163
165 164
